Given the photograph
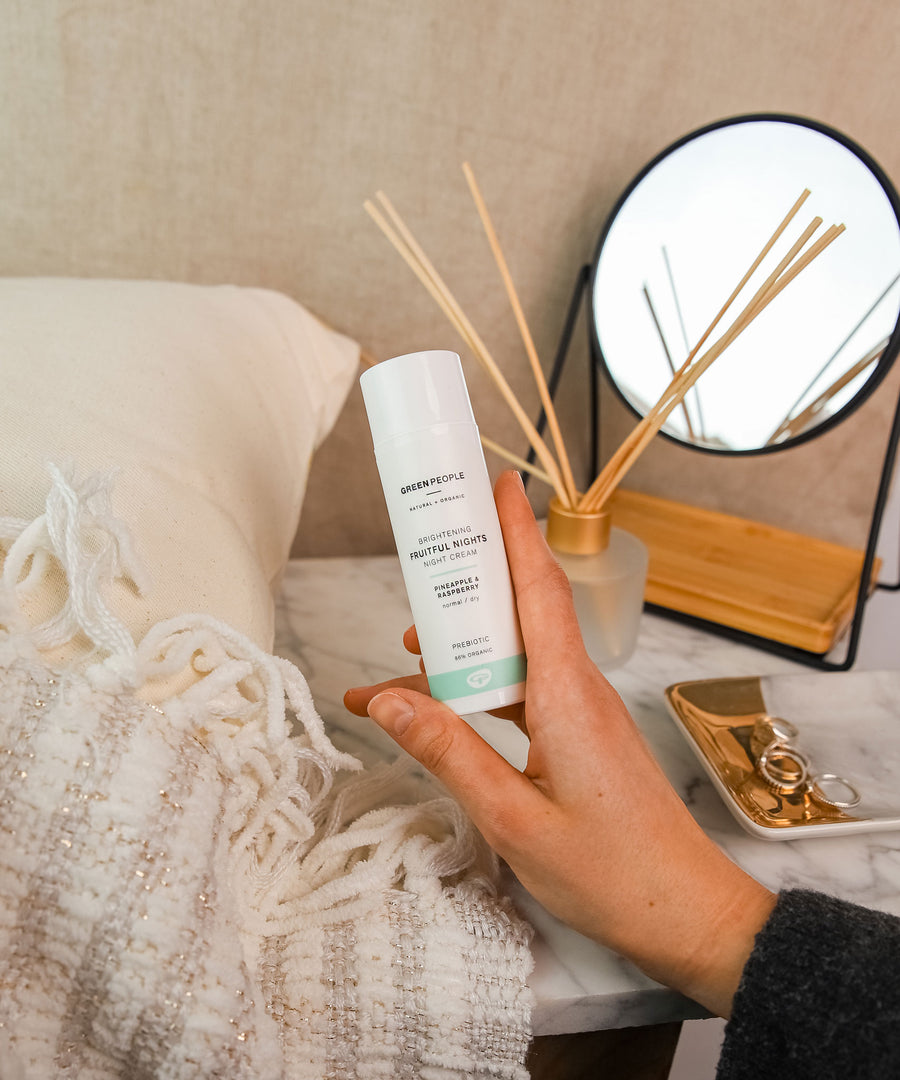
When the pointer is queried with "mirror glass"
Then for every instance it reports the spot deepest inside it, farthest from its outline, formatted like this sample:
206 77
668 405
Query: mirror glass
682 237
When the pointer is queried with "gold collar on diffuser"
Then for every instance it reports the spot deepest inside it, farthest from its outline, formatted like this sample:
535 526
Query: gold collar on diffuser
577 533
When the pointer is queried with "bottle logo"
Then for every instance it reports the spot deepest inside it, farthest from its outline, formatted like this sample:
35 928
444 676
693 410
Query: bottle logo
479 679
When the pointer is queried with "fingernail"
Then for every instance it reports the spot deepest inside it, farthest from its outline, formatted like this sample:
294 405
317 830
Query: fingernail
519 478
391 712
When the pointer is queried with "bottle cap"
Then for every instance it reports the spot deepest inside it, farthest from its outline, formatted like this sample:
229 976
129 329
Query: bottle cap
413 392
574 533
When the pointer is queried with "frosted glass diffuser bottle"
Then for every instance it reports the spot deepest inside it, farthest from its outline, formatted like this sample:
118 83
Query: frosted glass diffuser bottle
607 569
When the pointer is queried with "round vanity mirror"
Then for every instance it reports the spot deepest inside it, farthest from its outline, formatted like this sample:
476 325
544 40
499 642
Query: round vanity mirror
683 235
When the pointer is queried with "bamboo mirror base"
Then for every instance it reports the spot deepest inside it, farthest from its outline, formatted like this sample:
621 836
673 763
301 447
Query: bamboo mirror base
752 578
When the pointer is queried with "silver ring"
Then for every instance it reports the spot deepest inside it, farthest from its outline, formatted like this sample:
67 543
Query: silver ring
839 804
771 729
781 780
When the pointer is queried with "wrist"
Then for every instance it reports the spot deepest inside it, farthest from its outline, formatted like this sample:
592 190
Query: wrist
711 972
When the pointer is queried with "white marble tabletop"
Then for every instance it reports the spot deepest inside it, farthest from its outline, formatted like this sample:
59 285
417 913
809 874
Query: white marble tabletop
340 620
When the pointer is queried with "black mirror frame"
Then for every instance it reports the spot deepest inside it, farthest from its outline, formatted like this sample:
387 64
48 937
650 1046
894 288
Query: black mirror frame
581 294
890 350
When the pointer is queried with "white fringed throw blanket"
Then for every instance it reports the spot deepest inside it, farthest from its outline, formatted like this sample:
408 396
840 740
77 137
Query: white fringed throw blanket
193 885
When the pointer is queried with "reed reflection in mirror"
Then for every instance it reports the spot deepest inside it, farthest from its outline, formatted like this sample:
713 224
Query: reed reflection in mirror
688 228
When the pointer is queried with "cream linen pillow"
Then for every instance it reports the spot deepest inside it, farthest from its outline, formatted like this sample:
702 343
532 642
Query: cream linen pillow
208 401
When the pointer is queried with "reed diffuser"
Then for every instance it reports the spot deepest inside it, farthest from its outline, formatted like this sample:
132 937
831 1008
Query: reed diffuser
606 566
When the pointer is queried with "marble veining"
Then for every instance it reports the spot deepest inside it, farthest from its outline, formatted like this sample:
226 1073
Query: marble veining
341 621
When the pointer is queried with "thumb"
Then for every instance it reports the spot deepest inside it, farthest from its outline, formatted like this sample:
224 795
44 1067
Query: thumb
481 779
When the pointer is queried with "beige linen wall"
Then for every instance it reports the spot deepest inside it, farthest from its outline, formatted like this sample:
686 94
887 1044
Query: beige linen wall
235 140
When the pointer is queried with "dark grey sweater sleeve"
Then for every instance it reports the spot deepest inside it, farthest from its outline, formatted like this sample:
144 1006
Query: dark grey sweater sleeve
820 995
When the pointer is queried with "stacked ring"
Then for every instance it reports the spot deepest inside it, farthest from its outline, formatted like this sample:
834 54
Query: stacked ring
786 770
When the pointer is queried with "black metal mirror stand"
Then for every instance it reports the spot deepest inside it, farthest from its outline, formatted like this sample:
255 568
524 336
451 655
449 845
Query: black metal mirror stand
791 652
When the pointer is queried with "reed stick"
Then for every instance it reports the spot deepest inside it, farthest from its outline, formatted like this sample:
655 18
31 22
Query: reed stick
411 251
793 425
617 468
524 333
413 263
648 423
757 298
754 266
520 463
452 308
637 435
624 458
850 335
830 234
559 477
665 348
464 325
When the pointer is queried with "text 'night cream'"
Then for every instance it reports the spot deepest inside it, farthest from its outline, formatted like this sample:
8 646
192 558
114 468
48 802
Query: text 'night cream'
445 525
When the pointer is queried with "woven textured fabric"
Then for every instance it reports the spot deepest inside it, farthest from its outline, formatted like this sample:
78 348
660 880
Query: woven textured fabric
202 885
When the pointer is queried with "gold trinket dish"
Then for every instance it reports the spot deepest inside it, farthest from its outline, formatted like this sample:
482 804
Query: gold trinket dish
798 755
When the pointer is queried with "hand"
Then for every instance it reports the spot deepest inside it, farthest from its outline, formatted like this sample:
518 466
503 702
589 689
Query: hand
591 827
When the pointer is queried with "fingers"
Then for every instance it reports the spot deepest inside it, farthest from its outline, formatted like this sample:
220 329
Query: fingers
543 594
513 713
411 641
357 699
496 796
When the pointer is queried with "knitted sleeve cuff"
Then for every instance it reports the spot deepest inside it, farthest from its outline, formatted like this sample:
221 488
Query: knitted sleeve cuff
820 995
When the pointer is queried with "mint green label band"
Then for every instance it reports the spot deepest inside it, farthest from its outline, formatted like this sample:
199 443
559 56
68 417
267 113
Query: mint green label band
476 679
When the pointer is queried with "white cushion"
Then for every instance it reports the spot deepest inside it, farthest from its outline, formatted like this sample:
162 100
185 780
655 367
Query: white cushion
208 400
